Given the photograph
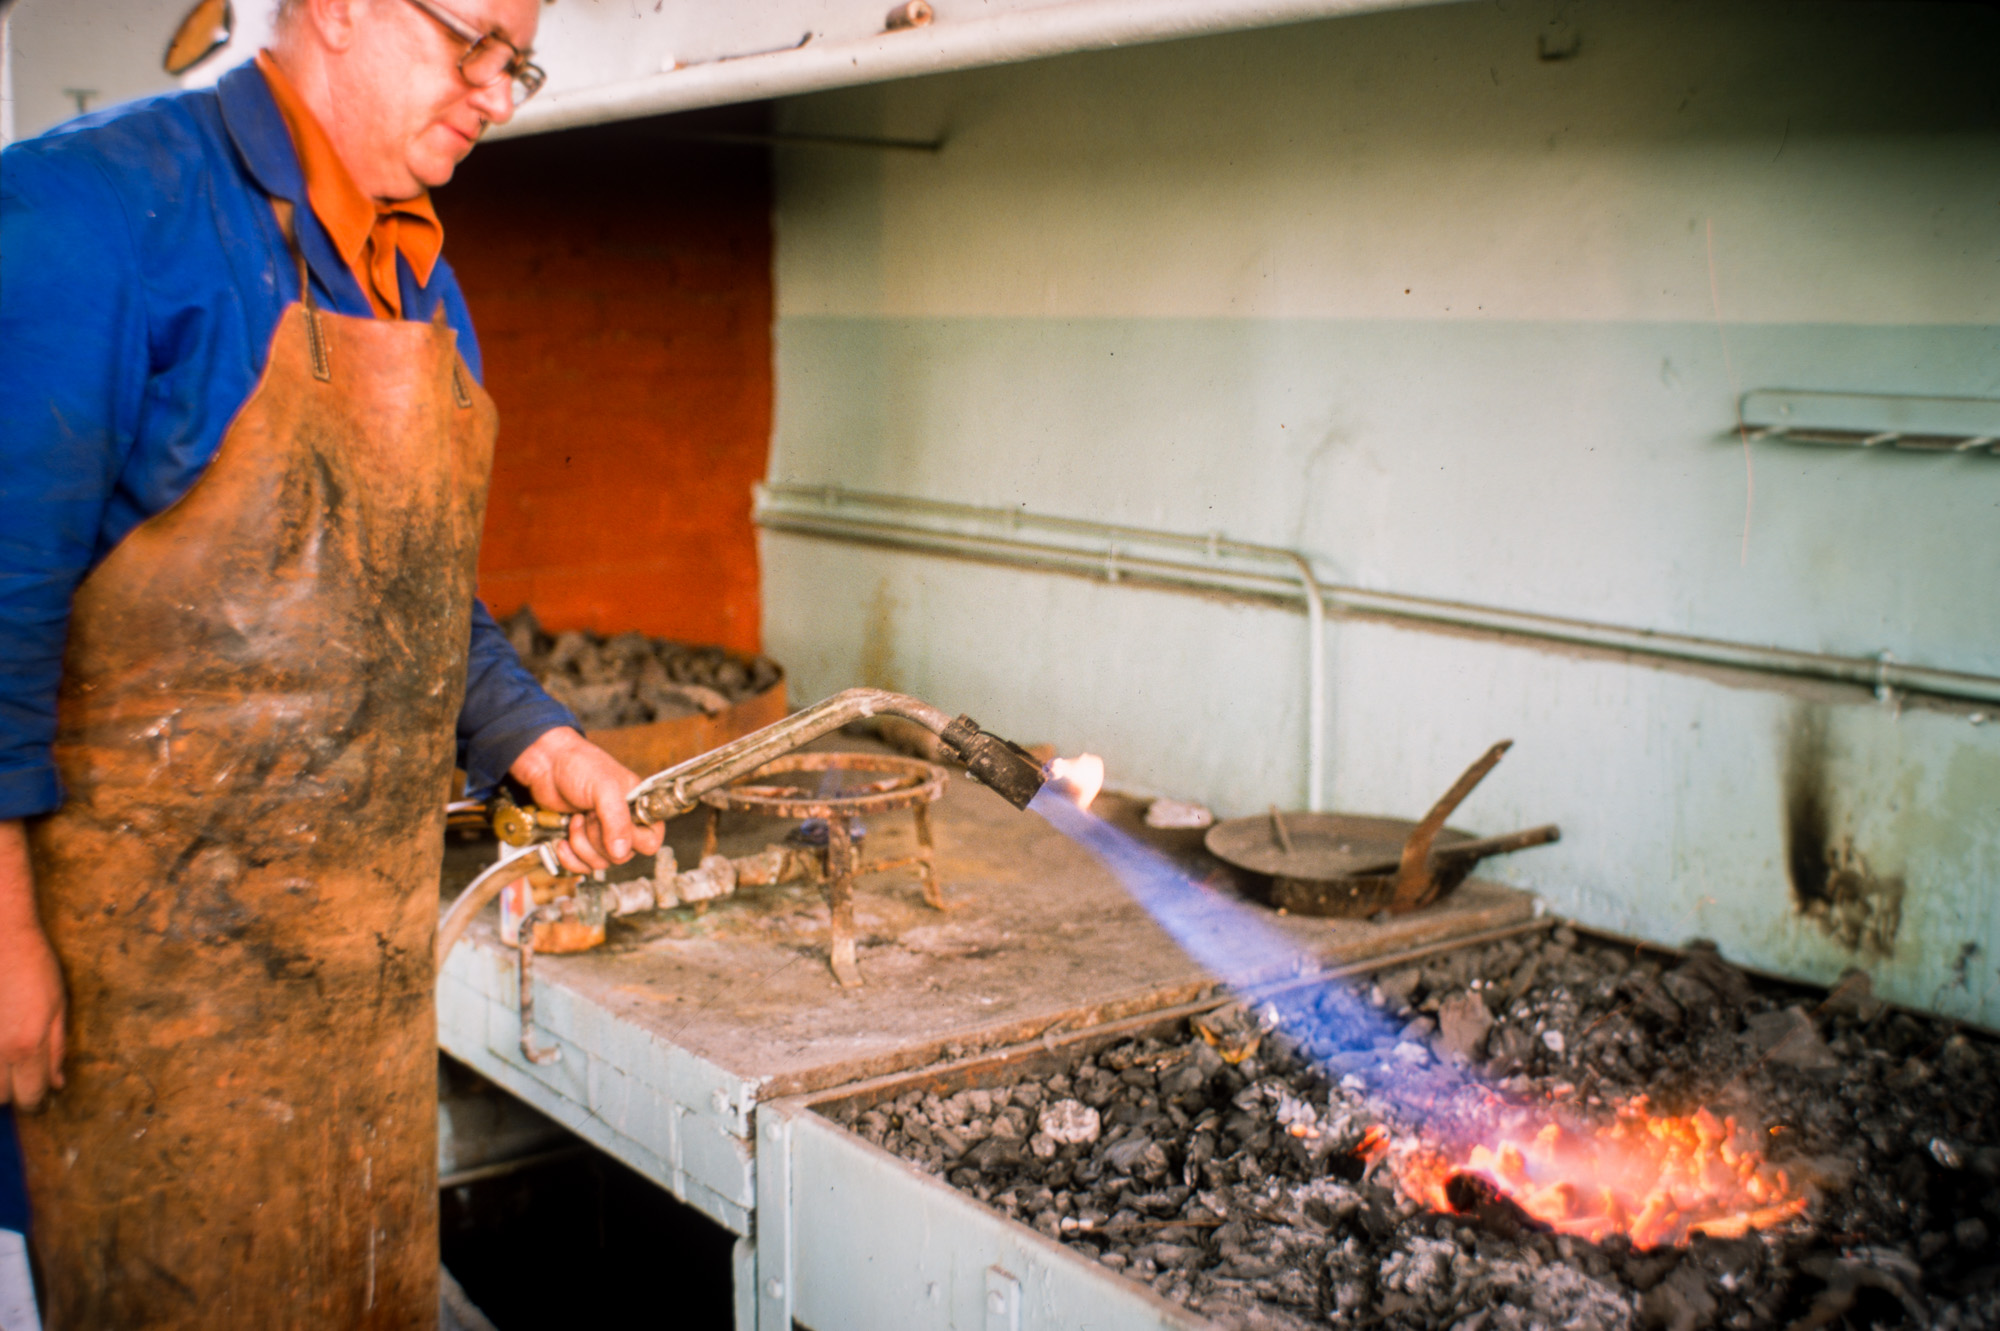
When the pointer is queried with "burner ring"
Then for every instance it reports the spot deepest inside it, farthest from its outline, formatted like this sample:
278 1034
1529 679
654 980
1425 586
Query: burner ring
901 783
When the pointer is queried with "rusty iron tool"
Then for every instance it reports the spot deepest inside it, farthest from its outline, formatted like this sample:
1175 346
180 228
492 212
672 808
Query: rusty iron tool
1414 881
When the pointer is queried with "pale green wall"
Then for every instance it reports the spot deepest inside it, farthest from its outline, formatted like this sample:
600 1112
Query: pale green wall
109 49
1394 291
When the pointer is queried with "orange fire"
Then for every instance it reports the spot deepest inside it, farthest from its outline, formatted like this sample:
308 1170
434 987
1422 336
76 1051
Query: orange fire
1659 1179
1083 774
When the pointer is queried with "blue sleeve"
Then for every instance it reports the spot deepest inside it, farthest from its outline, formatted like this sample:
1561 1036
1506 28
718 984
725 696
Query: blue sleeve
13 1179
73 368
505 710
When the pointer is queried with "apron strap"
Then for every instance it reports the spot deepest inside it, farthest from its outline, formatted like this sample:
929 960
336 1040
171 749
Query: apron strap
322 364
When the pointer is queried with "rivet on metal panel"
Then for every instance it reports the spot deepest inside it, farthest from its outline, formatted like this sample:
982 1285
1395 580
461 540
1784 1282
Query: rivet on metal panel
774 1288
773 1131
1003 1300
718 1100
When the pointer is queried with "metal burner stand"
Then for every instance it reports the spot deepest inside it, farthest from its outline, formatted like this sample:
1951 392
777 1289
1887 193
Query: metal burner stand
901 783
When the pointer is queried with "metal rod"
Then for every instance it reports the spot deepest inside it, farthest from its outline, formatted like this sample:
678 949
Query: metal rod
784 139
458 1178
529 1049
1278 830
806 511
486 886
680 787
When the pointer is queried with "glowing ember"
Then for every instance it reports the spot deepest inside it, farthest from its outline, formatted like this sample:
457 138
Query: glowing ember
1083 775
1659 1179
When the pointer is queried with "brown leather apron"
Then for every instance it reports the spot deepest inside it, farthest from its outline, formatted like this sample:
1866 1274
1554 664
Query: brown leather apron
256 727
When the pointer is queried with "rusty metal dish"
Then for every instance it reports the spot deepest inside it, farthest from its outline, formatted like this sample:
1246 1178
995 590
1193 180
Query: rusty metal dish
1324 845
1346 865
1341 864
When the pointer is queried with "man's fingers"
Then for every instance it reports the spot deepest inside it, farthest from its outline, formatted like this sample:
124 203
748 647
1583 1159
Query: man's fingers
584 845
614 821
567 857
648 840
28 1082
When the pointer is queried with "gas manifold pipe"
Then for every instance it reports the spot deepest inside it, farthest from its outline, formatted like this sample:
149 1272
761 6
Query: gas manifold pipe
1000 764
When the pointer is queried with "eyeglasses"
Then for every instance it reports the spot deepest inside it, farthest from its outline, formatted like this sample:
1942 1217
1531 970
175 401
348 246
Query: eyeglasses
488 57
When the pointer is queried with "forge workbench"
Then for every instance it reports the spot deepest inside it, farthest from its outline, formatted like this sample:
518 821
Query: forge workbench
674 1033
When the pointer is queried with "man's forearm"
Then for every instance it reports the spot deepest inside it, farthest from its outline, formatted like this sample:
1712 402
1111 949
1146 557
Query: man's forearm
17 879
505 710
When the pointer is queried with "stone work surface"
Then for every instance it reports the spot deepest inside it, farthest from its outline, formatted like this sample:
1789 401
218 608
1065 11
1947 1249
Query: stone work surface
1247 1190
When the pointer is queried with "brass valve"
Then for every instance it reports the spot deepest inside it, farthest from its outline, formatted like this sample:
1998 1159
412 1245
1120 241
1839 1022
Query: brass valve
523 826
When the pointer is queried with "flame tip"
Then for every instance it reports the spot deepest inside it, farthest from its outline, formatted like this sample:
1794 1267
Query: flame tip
1083 776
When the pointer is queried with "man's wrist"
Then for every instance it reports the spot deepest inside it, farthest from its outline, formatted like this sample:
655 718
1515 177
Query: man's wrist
17 881
537 760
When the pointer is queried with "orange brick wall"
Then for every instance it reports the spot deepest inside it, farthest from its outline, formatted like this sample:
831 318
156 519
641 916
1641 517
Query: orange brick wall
620 280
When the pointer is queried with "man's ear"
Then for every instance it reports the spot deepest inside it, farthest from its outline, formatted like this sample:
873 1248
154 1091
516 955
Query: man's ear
334 23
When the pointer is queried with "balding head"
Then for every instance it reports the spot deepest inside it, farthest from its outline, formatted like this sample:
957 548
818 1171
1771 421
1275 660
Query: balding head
383 78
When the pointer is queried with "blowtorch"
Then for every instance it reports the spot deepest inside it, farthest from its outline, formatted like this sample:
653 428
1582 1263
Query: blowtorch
1005 767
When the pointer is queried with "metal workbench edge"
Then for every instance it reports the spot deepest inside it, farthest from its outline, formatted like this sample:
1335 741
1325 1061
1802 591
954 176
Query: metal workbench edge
852 1238
674 1117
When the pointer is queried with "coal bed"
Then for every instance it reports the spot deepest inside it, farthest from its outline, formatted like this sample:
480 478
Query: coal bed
1280 1164
630 679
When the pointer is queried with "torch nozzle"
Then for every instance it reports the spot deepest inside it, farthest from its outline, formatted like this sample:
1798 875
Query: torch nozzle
999 764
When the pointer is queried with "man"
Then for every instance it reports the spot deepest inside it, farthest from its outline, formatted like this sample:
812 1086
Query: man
243 455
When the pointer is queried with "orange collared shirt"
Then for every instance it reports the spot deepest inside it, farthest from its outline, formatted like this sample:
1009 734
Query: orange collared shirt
369 233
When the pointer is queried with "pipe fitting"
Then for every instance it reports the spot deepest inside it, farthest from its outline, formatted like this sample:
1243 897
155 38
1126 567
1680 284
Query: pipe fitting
1000 765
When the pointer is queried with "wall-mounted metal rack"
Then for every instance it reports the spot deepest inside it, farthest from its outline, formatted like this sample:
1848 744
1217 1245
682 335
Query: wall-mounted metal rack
1874 420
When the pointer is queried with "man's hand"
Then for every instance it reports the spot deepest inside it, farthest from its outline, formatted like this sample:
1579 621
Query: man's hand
32 1005
564 771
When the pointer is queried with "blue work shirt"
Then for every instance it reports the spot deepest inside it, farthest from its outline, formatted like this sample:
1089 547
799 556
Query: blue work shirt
142 277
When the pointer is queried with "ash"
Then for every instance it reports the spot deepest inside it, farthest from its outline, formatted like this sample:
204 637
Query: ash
1164 1161
632 679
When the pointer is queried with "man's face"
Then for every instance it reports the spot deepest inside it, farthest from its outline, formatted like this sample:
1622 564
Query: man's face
418 115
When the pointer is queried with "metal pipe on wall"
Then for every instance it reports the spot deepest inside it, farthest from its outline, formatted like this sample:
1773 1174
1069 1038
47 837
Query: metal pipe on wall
948 44
1230 568
1099 549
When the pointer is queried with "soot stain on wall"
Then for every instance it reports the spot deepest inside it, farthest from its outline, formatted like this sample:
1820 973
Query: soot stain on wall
1832 883
878 652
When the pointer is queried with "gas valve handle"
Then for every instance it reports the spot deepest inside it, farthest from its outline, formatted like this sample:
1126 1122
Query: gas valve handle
524 824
